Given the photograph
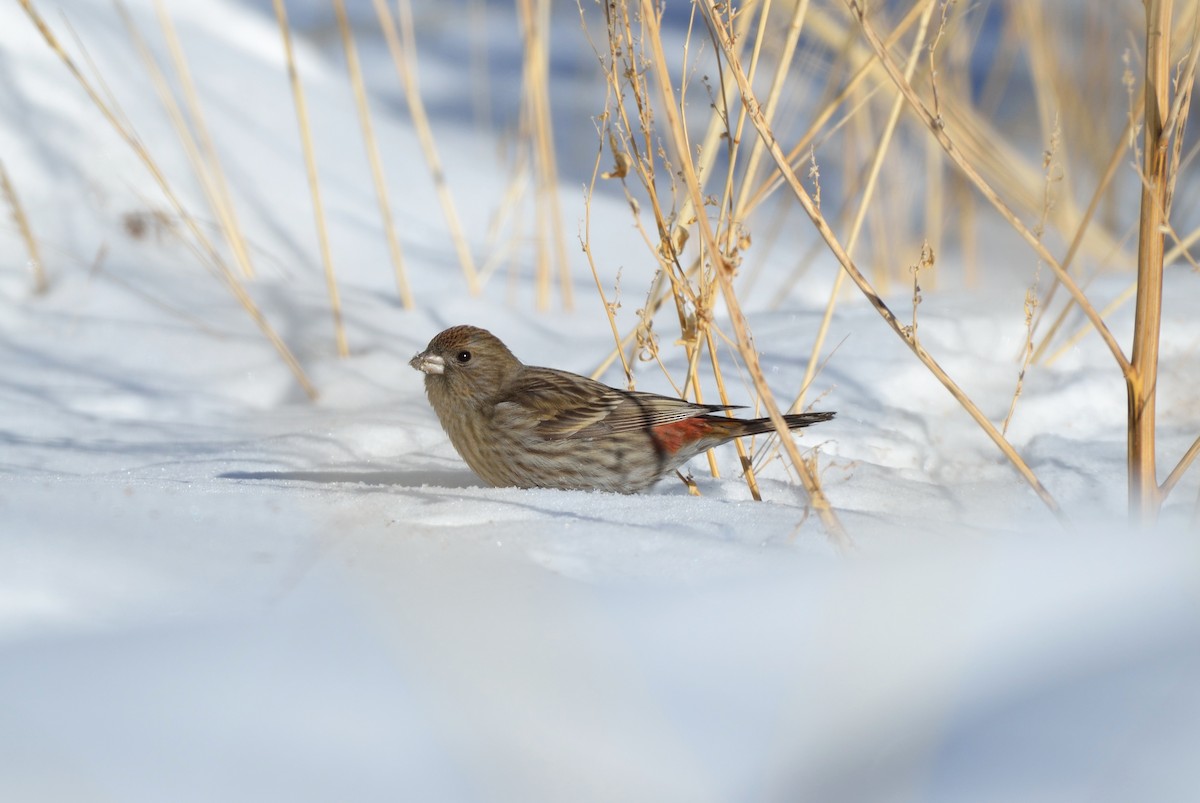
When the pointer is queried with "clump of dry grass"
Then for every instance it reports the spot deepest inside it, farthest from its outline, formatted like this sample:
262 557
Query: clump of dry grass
373 155
402 45
200 241
314 181
884 78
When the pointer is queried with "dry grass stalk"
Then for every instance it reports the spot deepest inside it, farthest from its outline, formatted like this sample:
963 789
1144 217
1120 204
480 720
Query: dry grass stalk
201 240
314 181
1031 305
202 167
214 175
859 279
585 242
373 157
40 285
744 457
1053 176
1110 172
1124 297
1182 466
1141 378
403 55
551 244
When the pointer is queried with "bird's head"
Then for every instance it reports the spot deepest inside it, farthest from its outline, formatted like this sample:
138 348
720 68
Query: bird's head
467 363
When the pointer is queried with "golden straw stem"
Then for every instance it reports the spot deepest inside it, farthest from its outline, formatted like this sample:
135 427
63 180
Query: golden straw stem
222 198
314 184
40 284
373 156
406 69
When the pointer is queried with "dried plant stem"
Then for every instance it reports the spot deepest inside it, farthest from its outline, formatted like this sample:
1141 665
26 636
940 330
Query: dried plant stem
1032 302
864 285
403 57
585 241
1110 172
743 455
1141 378
201 240
373 156
204 173
1177 251
552 249
40 284
314 182
693 380
724 273
1181 467
221 198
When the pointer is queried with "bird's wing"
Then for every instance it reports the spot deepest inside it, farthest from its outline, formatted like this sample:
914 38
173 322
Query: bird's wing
571 406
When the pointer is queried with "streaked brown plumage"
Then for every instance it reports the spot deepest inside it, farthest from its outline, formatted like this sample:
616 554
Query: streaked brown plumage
519 425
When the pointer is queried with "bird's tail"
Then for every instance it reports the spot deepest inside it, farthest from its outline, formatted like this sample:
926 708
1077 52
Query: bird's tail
737 428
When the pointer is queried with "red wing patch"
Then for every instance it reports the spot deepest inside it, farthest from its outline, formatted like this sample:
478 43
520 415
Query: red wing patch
674 436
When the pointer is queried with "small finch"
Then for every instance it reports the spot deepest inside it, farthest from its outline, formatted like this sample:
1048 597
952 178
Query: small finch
518 425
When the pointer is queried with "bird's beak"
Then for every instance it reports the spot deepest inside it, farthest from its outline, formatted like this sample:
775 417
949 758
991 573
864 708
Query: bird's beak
428 363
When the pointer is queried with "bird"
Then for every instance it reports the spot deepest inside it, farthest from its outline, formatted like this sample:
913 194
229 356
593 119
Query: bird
522 426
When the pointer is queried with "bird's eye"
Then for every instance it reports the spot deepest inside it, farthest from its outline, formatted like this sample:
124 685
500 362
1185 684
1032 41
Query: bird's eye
463 357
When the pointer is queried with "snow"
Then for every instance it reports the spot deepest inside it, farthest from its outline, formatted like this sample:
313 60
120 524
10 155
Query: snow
212 588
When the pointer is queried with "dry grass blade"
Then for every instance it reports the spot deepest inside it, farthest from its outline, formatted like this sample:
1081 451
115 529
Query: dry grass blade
406 70
1110 172
551 245
1142 377
201 239
221 198
1182 466
219 204
1177 251
373 157
585 241
314 182
864 285
40 285
743 456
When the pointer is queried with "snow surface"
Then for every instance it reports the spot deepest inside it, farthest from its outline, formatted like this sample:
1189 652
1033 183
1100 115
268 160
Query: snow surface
214 589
